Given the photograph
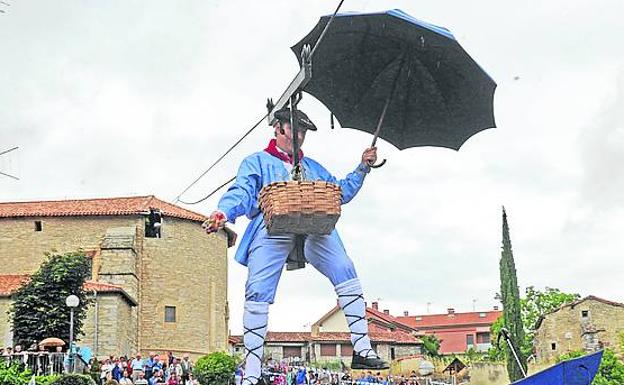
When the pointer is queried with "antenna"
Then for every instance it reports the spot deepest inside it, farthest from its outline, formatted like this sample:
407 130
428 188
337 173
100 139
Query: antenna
428 307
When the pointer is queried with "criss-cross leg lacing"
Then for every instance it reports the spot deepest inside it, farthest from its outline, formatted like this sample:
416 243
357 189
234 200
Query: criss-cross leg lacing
351 300
252 351
255 320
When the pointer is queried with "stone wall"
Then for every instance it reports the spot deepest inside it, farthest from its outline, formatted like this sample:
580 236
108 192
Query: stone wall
22 249
6 336
569 331
116 326
186 269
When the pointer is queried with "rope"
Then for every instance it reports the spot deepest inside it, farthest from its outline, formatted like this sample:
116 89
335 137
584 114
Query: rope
177 198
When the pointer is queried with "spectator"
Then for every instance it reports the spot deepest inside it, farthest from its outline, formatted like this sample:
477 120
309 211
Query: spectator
148 365
137 367
187 367
117 370
174 379
106 371
141 379
191 380
169 358
125 378
158 365
176 368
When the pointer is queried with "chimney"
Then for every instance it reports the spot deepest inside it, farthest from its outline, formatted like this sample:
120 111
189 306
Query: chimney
451 310
495 307
405 313
376 305
386 311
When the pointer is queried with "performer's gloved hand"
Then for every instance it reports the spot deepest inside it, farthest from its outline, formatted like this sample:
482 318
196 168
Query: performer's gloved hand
215 222
369 156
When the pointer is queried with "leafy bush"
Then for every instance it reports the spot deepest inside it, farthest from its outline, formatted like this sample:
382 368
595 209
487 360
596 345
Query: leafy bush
13 375
215 369
74 379
46 380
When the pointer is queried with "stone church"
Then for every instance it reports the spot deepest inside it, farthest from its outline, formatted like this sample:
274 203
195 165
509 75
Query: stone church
158 280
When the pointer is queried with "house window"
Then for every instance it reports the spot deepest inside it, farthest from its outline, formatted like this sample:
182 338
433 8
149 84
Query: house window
483 338
585 313
170 314
328 350
346 350
392 353
38 226
553 346
469 340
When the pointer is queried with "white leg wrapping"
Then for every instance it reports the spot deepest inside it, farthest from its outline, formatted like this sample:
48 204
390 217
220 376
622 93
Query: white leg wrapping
351 300
255 319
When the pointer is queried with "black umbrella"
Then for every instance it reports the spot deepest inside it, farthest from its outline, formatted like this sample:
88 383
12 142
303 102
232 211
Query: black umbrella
390 69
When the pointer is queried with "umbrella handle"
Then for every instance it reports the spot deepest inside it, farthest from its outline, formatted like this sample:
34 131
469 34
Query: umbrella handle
377 165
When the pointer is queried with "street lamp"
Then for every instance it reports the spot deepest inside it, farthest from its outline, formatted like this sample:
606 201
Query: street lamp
72 302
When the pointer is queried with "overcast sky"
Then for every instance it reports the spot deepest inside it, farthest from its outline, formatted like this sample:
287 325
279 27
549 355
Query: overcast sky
120 98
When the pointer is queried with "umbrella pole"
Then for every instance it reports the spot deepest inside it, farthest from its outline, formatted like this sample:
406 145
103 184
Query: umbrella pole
379 124
383 112
297 172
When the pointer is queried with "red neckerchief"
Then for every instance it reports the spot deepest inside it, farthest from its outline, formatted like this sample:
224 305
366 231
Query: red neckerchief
276 152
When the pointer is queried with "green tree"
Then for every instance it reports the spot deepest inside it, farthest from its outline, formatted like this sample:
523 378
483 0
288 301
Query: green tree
537 303
215 369
430 345
510 296
39 311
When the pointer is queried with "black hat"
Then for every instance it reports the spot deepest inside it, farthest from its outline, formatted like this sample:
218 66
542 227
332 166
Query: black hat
304 122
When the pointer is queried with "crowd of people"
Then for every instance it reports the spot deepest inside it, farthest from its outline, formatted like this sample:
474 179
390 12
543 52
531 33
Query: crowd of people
153 370
284 373
38 359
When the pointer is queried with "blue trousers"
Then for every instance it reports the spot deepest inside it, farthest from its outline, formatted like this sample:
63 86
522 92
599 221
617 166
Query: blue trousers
268 253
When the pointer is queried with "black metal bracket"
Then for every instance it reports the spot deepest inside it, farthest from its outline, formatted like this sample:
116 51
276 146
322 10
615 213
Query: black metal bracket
296 85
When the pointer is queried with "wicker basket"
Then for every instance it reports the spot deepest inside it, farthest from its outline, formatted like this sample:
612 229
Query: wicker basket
300 207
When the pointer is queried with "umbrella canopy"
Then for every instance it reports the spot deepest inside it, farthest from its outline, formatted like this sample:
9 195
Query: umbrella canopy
578 371
52 341
438 95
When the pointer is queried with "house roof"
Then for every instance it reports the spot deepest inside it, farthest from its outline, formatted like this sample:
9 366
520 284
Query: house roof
371 315
9 283
574 304
397 337
450 320
96 207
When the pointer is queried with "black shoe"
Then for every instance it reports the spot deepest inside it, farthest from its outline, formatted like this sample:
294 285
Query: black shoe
368 363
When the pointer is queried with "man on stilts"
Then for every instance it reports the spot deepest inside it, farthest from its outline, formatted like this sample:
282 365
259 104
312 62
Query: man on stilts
265 255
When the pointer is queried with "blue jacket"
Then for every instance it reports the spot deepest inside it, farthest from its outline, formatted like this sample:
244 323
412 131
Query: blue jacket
261 169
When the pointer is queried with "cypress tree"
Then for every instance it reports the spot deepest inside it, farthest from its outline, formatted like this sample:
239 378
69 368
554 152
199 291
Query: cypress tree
510 296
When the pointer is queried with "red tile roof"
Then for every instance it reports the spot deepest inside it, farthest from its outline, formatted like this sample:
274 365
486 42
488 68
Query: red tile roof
9 283
397 337
450 320
394 321
96 207
288 336
375 315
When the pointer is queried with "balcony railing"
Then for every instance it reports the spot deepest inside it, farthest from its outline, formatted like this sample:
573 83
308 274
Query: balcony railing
42 363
